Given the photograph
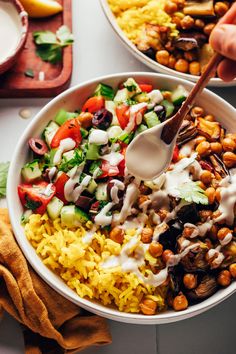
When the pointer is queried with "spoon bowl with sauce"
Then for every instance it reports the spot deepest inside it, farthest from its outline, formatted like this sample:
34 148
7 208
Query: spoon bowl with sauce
13 32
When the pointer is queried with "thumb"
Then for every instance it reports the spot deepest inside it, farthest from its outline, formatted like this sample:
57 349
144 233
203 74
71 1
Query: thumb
223 40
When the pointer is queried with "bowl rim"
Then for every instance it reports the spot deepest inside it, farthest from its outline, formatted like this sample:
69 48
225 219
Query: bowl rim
217 82
23 15
48 275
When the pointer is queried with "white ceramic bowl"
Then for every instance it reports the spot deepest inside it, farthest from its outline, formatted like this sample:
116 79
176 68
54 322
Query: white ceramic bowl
149 62
72 99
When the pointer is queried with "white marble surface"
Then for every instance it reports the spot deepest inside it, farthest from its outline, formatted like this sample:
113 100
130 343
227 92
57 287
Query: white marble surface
97 51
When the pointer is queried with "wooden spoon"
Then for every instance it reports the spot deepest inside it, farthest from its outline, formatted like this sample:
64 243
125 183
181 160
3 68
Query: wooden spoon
150 153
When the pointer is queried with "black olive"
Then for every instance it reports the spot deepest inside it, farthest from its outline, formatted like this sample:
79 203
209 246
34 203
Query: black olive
38 146
102 119
160 112
150 53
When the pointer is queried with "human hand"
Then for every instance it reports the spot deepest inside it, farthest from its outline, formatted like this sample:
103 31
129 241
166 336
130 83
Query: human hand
223 41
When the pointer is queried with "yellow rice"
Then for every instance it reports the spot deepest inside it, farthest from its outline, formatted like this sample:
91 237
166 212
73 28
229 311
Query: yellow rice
132 15
79 264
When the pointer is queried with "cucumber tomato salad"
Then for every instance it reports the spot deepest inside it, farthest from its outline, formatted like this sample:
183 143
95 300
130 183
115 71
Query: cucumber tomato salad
78 168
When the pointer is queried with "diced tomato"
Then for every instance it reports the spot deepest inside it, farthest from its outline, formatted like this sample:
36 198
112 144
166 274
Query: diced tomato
175 154
70 129
93 104
60 185
122 113
108 170
36 196
145 87
121 165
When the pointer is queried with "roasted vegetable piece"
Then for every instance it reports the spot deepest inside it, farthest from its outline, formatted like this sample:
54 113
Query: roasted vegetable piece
211 130
70 129
205 289
60 185
188 214
199 7
93 104
195 260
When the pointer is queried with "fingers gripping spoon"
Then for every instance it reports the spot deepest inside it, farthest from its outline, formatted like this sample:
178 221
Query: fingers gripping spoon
150 153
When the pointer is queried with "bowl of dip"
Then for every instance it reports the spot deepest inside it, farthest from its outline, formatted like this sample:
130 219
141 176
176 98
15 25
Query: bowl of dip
71 100
13 32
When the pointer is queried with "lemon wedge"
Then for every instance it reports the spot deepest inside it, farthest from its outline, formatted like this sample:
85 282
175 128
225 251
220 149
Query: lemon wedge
41 8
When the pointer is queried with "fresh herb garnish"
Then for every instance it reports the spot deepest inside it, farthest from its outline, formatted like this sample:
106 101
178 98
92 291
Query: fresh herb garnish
192 193
95 166
29 73
50 45
3 178
76 160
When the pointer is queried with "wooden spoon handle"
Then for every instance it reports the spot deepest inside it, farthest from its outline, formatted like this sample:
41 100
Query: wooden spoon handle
173 125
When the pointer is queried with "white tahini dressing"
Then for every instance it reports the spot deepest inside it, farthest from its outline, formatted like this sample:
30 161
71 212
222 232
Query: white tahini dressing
135 116
117 185
10 30
102 218
73 187
65 145
114 158
227 199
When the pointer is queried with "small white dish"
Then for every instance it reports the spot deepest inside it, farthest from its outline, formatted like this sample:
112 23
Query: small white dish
71 100
216 82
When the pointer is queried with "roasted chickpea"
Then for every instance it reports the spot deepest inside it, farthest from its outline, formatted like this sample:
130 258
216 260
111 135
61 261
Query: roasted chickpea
218 196
156 249
231 136
166 255
211 195
232 269
180 302
162 213
117 235
229 159
216 148
228 144
204 148
199 23
208 28
209 118
213 233
85 119
199 139
224 231
172 62
170 7
146 235
190 281
221 8
182 65
216 214
187 231
162 57
206 177
176 20
194 68
224 278
187 22
167 95
148 307
197 112
180 3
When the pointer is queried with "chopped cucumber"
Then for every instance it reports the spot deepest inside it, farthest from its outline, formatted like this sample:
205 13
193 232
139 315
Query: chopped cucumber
141 128
111 107
114 132
151 119
169 107
122 96
50 131
31 171
92 152
54 208
132 86
95 169
179 95
104 90
126 137
83 132
25 216
72 216
68 155
62 116
51 156
101 192
92 186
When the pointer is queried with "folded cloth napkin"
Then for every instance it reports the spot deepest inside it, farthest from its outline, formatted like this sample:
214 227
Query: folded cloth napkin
51 324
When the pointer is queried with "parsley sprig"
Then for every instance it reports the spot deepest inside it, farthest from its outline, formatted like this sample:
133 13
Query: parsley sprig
50 45
193 193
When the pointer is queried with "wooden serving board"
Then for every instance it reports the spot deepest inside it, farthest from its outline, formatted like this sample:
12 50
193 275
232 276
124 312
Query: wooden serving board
57 77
